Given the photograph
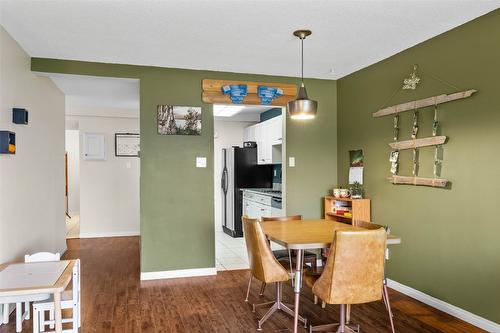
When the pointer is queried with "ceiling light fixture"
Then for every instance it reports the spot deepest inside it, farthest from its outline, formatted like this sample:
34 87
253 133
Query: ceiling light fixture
302 107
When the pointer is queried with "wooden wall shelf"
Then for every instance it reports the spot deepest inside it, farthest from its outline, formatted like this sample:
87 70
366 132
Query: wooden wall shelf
212 92
417 143
360 210
422 103
419 181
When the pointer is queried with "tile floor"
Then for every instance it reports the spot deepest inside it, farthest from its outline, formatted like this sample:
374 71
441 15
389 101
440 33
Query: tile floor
230 253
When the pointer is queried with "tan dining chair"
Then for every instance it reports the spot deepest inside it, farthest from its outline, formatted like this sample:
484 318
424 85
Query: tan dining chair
265 268
385 294
353 274
285 256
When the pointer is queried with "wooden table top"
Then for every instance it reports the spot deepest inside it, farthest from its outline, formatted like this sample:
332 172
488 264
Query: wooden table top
309 234
35 278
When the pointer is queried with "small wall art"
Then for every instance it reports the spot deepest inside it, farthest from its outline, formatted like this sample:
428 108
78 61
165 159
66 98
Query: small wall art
127 144
178 120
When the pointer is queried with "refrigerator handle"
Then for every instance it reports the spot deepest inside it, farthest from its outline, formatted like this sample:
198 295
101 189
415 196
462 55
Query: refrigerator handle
224 180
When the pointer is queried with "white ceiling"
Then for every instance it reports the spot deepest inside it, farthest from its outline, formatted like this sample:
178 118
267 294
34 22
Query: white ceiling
249 36
89 95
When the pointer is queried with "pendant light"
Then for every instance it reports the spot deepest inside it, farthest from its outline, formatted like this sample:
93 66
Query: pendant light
302 107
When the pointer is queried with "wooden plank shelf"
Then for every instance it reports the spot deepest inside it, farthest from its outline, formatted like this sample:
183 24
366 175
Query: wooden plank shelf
212 97
418 143
212 92
338 215
209 85
418 181
422 103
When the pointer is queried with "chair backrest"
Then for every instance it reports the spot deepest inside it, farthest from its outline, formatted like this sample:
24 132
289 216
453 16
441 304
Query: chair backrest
263 264
281 218
42 256
354 271
367 225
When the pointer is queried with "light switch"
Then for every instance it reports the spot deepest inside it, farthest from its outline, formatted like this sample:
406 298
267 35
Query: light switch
128 165
291 162
201 162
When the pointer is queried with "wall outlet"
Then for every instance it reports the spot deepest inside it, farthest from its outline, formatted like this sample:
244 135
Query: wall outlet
291 162
201 162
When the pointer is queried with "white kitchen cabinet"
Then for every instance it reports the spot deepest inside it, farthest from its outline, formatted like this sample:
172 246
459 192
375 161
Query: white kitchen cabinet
249 134
266 134
276 130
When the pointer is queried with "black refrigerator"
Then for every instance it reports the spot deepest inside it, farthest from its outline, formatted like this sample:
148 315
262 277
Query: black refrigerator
240 170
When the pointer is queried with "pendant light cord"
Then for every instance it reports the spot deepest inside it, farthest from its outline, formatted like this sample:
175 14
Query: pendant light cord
302 75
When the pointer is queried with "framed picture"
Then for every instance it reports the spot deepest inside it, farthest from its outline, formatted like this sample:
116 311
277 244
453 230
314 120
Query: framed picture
127 144
178 120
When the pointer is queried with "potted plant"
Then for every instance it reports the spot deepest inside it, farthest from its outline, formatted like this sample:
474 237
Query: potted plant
357 191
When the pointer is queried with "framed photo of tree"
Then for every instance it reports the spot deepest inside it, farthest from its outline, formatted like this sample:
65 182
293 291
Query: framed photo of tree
178 120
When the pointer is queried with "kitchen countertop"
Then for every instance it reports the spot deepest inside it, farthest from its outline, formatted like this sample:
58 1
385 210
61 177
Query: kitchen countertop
263 191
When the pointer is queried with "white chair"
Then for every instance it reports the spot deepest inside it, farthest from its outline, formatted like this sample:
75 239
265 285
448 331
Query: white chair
69 300
26 299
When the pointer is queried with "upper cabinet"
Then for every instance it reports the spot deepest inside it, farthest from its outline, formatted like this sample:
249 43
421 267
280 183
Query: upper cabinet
269 136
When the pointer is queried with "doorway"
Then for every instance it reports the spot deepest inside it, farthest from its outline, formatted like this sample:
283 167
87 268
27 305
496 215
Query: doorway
248 158
103 163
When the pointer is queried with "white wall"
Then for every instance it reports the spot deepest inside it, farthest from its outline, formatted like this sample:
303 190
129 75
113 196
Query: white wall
226 134
31 181
109 190
73 151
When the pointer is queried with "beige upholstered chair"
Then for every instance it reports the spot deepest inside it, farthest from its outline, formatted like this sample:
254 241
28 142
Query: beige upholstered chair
385 294
264 267
353 274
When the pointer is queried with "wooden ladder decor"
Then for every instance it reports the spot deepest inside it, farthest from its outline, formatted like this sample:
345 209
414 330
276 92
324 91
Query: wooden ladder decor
410 180
212 92
422 103
417 143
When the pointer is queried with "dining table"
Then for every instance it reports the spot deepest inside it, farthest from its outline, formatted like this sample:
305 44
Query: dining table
300 235
34 278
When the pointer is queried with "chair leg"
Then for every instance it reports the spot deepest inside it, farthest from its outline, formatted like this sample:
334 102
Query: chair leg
42 321
51 317
262 289
277 304
5 314
248 288
343 326
27 310
388 306
36 320
19 317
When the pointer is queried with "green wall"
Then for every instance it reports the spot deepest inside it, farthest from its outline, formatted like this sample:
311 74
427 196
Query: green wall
451 242
177 229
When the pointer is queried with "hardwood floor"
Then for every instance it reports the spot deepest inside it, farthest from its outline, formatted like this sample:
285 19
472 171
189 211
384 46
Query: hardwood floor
115 300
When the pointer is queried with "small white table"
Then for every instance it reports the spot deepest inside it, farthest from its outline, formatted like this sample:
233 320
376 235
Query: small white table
50 277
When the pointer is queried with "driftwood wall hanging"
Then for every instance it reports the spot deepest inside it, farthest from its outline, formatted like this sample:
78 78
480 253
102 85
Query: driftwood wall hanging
416 143
247 92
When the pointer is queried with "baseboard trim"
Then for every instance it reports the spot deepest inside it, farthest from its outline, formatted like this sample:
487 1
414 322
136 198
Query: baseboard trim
453 310
110 234
180 273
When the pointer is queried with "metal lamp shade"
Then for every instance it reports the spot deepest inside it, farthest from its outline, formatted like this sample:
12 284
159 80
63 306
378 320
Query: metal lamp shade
302 108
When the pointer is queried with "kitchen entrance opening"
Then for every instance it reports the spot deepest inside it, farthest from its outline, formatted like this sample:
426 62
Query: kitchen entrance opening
248 175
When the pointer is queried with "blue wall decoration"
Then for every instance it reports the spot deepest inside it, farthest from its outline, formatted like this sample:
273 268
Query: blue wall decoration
20 116
236 92
267 94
